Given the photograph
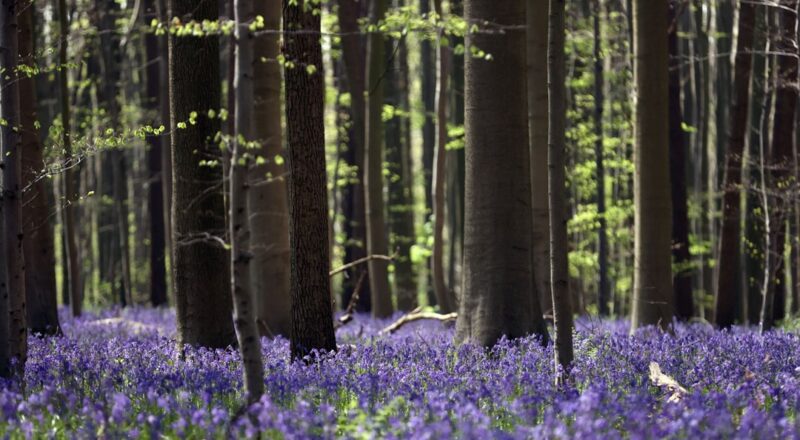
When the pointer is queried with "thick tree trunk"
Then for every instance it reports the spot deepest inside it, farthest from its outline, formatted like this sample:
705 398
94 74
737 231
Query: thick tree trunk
401 207
781 161
200 263
267 203
312 318
556 152
39 248
443 295
537 123
727 294
653 301
244 309
12 191
377 240
70 193
353 206
497 298
5 354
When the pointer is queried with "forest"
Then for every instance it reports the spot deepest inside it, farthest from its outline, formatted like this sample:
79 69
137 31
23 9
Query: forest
424 219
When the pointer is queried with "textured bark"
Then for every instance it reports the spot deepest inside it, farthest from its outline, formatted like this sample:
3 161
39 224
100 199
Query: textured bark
200 264
267 203
497 233
401 206
781 160
5 355
312 318
681 278
537 123
377 240
12 191
556 164
727 293
444 297
653 301
39 248
70 193
602 248
155 156
244 310
353 203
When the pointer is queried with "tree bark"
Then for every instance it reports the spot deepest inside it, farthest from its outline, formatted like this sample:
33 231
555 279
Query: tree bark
781 160
155 155
602 248
312 318
267 203
377 243
38 247
244 310
443 295
428 86
653 301
727 286
12 191
200 263
497 298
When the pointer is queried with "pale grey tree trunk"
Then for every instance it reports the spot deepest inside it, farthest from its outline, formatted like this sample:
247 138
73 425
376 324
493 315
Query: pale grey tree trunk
653 302
267 203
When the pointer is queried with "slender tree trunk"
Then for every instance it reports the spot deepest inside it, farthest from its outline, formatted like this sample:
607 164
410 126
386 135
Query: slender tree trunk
244 310
727 286
312 319
556 151
428 80
12 191
602 249
497 298
70 193
443 295
537 123
267 203
39 249
377 240
353 54
200 263
653 301
781 157
155 193
5 353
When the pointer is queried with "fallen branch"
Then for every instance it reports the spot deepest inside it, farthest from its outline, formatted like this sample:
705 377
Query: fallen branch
417 315
347 316
355 263
660 379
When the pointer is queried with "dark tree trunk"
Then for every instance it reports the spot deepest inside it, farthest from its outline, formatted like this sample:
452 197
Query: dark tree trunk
312 319
353 206
39 248
155 195
681 258
428 67
727 294
200 262
497 298
602 249
781 162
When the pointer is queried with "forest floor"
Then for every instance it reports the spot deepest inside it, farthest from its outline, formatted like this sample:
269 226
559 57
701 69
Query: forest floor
117 374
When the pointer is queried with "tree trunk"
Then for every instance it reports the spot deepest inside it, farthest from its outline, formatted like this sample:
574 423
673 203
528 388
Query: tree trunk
727 286
428 86
5 354
602 249
155 193
244 311
373 173
497 298
12 191
443 295
781 161
200 263
653 301
267 204
353 206
556 152
312 319
537 122
39 248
